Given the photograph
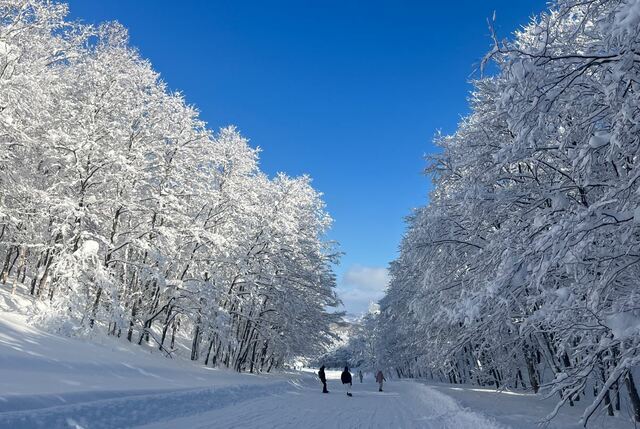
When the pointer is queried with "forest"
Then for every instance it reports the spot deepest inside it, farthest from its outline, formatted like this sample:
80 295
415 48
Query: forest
522 270
123 214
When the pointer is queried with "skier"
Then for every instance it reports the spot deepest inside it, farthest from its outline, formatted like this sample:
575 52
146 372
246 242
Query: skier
345 377
323 378
380 379
360 375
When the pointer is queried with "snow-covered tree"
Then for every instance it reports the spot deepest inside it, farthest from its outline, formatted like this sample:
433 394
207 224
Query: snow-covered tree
122 212
522 269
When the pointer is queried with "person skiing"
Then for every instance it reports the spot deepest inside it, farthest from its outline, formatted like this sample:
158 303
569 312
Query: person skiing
345 377
323 378
360 375
380 379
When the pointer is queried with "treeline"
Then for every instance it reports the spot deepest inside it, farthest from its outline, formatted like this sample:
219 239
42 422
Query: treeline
523 269
123 213
357 348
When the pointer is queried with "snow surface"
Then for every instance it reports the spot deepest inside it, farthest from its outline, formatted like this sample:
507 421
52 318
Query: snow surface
527 411
49 381
403 404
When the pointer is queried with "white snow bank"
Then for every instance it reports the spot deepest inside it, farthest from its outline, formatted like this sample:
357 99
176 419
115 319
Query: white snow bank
527 410
48 381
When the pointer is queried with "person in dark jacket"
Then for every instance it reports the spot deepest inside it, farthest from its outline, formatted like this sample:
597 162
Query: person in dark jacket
345 377
323 378
380 379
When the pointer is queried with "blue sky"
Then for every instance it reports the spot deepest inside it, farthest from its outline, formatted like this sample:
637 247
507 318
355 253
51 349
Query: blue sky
349 92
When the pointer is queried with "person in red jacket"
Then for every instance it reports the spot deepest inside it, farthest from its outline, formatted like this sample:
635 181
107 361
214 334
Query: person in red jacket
345 377
380 379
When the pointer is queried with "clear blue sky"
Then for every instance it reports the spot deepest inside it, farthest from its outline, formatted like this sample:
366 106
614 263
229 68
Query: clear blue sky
349 92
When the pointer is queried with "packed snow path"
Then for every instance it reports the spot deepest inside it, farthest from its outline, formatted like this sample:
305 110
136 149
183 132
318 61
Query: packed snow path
403 404
297 403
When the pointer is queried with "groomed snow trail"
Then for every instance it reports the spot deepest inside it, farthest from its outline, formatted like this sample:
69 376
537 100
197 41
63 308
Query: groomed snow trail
53 382
403 404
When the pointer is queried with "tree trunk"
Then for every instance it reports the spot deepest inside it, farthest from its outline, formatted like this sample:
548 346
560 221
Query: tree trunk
94 309
5 268
206 359
21 252
174 328
45 275
634 399
134 310
253 356
533 377
165 327
195 342
34 280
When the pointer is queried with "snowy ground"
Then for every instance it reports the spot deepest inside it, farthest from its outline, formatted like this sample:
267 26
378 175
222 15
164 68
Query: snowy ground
528 411
302 405
48 381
